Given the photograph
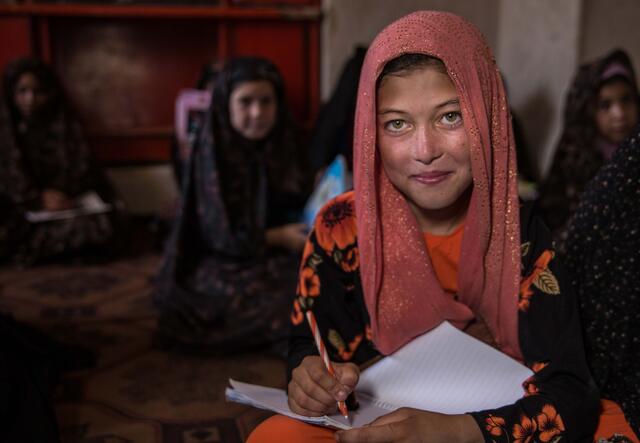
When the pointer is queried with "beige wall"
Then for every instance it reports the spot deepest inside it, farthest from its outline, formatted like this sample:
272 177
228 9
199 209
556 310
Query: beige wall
145 189
608 24
348 23
537 52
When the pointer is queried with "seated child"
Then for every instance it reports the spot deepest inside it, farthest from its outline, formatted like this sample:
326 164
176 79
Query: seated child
601 110
434 231
45 164
229 264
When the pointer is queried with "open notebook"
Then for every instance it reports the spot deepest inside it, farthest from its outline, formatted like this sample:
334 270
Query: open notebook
444 370
88 203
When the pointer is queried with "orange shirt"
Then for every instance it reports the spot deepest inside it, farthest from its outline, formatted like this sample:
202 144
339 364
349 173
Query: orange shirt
444 251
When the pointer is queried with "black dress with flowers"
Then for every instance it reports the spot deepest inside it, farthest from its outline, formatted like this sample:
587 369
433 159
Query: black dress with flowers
560 401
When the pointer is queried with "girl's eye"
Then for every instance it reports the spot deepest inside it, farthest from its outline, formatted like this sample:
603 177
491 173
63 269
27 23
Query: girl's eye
452 118
604 105
395 125
627 99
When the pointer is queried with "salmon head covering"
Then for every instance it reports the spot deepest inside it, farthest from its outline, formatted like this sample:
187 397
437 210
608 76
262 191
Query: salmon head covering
402 293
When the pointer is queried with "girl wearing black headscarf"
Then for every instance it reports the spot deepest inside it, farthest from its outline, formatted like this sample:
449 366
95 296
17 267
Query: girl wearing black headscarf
45 164
601 110
230 264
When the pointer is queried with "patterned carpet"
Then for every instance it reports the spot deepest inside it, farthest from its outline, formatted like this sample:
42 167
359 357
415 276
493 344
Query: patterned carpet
135 393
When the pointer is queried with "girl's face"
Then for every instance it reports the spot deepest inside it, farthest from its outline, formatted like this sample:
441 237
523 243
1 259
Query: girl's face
28 95
253 109
616 111
424 147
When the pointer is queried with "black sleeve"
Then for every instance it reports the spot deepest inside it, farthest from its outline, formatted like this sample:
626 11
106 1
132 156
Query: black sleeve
329 286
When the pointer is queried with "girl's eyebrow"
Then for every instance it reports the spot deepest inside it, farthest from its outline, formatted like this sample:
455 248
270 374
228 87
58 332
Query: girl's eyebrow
453 101
391 111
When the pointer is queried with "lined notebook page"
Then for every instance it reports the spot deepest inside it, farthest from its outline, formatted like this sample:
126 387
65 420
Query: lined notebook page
448 371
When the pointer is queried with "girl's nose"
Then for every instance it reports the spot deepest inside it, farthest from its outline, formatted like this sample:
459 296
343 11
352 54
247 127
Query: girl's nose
426 148
617 110
256 110
29 97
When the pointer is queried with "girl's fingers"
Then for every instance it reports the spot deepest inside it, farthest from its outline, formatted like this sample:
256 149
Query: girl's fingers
314 368
348 374
328 383
301 410
311 399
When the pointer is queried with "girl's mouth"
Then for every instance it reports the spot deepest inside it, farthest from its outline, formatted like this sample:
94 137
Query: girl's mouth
432 177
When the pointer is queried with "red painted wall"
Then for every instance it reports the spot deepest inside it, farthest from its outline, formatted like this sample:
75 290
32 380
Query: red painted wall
15 37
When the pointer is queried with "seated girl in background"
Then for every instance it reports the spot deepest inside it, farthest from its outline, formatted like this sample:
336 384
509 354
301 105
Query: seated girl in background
600 112
45 164
434 231
229 265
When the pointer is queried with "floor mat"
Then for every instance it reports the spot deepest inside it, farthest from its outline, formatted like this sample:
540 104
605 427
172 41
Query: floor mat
134 393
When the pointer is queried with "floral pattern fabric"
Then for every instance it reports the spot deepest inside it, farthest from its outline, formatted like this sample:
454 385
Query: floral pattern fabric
559 401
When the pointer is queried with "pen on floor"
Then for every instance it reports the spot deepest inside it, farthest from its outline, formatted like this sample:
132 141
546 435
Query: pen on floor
324 355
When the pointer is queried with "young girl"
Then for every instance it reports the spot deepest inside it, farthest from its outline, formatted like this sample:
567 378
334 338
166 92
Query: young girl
45 164
228 272
433 232
601 111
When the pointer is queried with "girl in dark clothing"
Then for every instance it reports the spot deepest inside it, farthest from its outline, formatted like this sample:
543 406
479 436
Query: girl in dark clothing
45 164
603 255
600 112
231 260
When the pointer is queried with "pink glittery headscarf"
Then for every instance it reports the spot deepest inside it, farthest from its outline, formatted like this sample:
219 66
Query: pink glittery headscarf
402 293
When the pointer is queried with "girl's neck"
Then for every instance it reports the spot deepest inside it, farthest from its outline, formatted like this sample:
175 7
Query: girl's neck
444 221
606 147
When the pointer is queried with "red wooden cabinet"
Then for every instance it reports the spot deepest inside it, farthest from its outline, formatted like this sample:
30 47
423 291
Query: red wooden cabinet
122 65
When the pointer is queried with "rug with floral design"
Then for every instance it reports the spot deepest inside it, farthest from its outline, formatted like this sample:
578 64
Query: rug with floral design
134 393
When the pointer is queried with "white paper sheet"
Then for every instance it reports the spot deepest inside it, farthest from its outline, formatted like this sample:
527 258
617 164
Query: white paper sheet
447 371
276 400
88 203
444 370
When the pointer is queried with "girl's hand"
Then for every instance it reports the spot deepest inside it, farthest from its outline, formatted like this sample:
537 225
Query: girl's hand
415 426
53 200
291 236
314 392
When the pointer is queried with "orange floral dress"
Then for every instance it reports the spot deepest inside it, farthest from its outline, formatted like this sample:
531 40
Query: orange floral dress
558 400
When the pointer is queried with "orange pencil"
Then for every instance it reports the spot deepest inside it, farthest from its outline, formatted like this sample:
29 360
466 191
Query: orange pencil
325 356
